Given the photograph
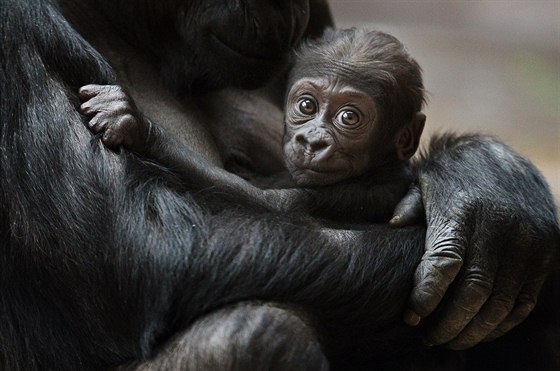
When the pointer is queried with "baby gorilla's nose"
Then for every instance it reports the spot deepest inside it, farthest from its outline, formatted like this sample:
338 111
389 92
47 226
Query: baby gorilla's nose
312 144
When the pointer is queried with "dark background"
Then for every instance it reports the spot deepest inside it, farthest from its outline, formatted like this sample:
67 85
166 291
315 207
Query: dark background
489 66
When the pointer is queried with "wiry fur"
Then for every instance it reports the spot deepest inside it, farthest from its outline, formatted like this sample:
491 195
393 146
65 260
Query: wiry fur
105 260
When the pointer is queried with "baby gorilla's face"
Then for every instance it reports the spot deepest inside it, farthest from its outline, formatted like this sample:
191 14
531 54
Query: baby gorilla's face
330 130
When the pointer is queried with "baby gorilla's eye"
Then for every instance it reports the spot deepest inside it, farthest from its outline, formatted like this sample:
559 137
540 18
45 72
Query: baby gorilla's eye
307 106
348 117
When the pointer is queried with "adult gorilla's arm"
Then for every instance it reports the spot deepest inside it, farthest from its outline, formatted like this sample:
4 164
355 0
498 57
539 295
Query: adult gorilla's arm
492 229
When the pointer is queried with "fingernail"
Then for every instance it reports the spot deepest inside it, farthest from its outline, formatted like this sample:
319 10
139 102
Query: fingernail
411 318
395 219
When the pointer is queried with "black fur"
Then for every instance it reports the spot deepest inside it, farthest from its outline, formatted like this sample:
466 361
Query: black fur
105 260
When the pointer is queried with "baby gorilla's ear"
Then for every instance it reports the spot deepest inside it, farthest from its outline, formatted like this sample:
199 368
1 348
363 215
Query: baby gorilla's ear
408 138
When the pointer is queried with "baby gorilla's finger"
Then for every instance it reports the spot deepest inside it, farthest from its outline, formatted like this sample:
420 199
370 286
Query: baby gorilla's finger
128 128
103 103
112 138
87 109
89 91
97 124
91 107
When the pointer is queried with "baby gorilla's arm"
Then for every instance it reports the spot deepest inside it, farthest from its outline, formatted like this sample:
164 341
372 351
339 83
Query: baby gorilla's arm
112 112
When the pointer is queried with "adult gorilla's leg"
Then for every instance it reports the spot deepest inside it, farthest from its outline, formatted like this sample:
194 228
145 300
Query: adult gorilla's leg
248 336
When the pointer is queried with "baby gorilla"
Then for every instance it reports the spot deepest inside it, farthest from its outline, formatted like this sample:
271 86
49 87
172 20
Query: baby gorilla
352 122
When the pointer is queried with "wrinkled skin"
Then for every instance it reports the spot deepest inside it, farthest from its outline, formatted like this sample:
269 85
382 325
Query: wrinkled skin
105 260
493 270
496 253
330 132
449 229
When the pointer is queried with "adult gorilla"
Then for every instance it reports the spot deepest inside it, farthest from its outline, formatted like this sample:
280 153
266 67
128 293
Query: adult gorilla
106 260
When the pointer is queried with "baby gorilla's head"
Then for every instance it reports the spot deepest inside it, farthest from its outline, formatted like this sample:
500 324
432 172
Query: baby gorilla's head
353 107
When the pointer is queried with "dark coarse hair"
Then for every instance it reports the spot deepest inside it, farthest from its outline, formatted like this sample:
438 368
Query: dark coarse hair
373 61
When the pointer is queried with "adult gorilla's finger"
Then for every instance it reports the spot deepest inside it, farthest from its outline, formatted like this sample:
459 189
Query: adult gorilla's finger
537 268
475 287
511 275
410 209
525 303
495 309
460 310
440 264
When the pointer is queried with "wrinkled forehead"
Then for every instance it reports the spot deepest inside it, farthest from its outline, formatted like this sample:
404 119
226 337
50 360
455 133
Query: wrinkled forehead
327 85
334 74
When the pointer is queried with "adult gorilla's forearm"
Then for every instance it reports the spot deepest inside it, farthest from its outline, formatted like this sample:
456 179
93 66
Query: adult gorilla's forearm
346 279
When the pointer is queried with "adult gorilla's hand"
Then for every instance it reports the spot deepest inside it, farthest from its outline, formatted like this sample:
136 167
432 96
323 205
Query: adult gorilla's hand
491 224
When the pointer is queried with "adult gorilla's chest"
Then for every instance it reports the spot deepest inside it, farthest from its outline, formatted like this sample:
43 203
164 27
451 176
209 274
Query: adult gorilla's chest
182 117
238 128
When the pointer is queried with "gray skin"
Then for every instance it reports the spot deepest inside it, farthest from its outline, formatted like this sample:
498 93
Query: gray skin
87 269
450 247
333 148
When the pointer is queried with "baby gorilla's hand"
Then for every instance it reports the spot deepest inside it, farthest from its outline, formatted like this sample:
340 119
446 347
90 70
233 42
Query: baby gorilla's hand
112 112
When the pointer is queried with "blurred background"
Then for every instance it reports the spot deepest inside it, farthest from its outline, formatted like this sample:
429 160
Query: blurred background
489 66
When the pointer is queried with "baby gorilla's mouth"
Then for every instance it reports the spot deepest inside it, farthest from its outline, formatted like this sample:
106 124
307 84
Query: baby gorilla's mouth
317 177
318 169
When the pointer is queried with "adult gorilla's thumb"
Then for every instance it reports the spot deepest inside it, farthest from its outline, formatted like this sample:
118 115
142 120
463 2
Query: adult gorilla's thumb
409 210
439 266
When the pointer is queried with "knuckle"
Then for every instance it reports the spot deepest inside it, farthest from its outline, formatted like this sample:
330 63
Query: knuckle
108 134
445 249
93 124
127 119
500 305
85 107
523 309
121 106
88 89
485 326
118 93
111 139
478 284
444 234
113 88
443 265
443 333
